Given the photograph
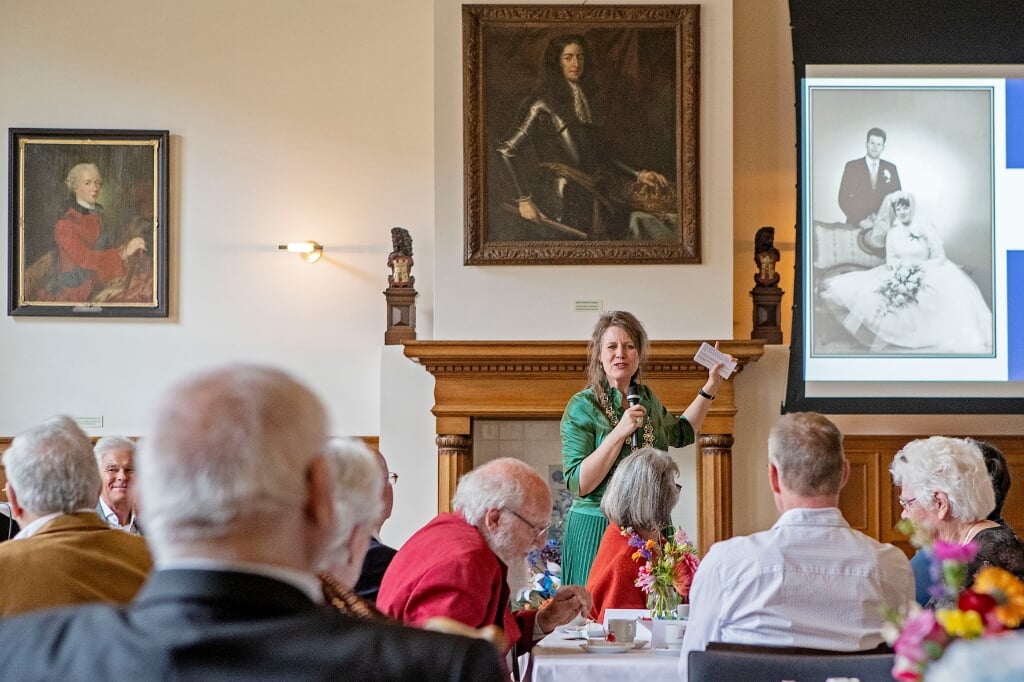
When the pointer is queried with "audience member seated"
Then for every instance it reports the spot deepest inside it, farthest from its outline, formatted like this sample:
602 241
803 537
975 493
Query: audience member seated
464 565
811 580
115 456
357 503
64 554
999 472
379 556
640 497
945 489
239 513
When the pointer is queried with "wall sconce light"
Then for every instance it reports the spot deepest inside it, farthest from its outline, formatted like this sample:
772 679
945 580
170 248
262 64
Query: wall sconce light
310 251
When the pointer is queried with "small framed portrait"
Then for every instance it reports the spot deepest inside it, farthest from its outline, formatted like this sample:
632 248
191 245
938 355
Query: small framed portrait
580 134
88 223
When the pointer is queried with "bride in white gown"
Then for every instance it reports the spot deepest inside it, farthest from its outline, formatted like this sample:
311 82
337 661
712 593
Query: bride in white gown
918 301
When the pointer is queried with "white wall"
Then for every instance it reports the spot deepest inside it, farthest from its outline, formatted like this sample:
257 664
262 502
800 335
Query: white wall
520 302
289 121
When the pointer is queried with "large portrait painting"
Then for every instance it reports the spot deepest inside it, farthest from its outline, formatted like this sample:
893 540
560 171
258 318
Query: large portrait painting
581 134
88 223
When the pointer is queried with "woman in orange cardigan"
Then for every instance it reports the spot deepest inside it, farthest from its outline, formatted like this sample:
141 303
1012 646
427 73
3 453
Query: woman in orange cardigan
640 496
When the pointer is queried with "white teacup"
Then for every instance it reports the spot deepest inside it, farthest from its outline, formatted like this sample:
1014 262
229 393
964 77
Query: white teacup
674 634
624 629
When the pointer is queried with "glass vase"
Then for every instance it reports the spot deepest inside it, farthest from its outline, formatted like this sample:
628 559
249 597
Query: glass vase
662 601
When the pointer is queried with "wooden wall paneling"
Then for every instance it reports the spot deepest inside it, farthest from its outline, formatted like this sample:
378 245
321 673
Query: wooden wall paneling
859 498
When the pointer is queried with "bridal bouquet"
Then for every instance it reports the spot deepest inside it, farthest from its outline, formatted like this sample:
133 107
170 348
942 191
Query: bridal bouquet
667 571
900 287
992 605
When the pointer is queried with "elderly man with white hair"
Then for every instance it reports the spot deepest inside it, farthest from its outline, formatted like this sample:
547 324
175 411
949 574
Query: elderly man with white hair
239 511
357 506
115 457
463 565
63 554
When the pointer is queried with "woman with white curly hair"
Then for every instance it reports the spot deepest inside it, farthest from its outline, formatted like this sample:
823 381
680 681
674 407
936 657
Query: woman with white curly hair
945 489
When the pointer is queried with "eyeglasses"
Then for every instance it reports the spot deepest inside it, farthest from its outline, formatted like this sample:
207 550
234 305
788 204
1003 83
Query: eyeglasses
906 503
678 487
392 477
537 531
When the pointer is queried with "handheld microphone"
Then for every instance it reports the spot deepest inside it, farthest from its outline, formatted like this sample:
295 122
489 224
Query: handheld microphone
633 398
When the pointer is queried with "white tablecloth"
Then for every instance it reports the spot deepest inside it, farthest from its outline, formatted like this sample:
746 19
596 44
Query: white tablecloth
558 659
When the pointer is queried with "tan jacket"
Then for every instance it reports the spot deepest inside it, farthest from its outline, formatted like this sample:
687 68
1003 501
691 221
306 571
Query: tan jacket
73 559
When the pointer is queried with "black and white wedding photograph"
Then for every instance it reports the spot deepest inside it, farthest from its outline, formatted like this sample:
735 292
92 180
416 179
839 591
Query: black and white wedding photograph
900 211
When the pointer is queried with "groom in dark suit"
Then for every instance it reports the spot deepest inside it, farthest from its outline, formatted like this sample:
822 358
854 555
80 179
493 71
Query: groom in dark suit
239 510
867 181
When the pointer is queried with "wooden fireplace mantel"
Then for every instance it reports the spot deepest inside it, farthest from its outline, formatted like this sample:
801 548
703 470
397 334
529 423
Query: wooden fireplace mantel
535 379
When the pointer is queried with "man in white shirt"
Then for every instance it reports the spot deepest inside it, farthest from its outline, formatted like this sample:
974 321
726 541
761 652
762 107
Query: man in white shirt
115 456
810 581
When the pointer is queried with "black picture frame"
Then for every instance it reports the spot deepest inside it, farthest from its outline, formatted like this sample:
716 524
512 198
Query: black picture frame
68 260
646 116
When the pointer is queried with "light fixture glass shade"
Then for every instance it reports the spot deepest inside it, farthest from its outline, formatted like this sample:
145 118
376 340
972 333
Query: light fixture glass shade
309 250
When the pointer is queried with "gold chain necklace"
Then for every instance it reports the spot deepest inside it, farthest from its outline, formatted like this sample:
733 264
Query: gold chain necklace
648 426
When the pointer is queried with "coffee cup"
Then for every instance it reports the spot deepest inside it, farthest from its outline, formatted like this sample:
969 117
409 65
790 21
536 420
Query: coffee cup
674 634
624 629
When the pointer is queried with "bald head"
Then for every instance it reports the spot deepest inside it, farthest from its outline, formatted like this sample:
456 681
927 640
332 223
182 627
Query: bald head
504 483
225 446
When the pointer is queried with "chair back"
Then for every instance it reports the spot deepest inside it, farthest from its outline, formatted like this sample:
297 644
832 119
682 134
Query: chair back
716 665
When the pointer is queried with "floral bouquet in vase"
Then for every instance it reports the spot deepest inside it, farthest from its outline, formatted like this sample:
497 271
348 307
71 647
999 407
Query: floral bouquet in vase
666 572
991 606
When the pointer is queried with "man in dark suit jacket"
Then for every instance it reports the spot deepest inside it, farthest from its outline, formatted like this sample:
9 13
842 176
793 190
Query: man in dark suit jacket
867 181
239 511
379 555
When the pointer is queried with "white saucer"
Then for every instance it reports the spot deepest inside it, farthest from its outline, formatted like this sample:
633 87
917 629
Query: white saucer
606 647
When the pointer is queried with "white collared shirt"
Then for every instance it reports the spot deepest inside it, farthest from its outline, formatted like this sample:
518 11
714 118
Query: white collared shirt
110 516
809 581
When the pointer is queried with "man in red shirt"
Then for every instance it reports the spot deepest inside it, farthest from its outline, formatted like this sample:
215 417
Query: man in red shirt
461 565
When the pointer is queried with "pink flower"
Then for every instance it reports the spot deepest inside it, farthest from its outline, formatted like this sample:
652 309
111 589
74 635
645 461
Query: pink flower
919 637
645 579
951 551
680 537
683 574
905 670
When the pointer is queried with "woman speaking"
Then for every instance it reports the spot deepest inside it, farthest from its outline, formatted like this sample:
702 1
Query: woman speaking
598 425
